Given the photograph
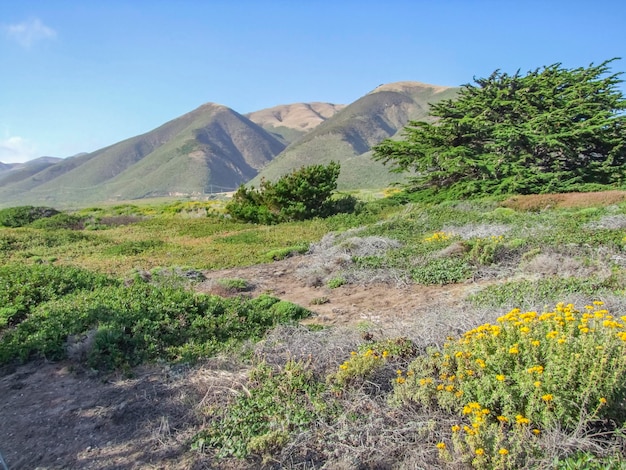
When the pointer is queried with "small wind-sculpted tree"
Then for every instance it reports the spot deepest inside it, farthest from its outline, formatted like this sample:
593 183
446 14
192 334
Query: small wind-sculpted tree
551 130
303 194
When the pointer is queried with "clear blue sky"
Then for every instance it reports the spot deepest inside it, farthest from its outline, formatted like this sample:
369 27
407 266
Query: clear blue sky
76 76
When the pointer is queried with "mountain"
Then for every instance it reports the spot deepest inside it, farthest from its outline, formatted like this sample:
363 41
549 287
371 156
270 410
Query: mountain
13 172
349 134
214 149
291 121
210 148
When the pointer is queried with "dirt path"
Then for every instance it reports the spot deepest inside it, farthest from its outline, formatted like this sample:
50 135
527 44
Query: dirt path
54 418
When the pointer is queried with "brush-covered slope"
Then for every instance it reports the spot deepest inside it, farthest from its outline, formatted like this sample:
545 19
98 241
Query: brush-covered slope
348 136
291 121
11 173
209 149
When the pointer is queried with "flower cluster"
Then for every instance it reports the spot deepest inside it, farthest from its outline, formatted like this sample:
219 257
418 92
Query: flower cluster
368 359
526 372
437 237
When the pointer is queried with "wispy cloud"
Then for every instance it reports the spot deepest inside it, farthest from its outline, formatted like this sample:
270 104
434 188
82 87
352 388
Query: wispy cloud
29 32
16 150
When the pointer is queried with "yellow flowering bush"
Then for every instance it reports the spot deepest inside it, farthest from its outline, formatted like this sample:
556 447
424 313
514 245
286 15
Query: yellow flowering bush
527 372
437 237
369 358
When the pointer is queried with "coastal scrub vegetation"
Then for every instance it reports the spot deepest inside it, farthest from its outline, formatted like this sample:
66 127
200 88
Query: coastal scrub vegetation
524 368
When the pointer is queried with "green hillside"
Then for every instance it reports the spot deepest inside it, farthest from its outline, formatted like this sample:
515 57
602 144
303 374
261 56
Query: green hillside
348 135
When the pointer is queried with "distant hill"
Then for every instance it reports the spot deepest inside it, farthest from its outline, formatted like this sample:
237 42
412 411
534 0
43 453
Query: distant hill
13 172
291 121
213 149
348 135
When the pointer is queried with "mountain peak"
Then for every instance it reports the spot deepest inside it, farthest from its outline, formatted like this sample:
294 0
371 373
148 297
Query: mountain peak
408 86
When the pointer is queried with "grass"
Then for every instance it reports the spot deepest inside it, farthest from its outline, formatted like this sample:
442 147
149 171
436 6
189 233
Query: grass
118 293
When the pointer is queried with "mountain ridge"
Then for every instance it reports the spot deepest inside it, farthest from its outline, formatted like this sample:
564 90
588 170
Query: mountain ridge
215 147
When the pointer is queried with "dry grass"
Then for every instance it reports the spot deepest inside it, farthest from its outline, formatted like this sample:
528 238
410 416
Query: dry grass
537 202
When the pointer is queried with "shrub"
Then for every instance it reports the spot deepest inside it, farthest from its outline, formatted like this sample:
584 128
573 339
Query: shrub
59 221
23 287
24 215
143 322
302 194
369 358
529 372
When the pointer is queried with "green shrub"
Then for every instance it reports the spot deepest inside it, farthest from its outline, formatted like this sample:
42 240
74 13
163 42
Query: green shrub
303 194
23 287
141 323
24 215
59 221
529 372
277 404
336 282
441 271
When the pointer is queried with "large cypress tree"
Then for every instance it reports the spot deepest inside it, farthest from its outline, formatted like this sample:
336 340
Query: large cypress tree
551 130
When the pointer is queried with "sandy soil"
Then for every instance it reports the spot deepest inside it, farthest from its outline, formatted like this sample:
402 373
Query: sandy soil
55 417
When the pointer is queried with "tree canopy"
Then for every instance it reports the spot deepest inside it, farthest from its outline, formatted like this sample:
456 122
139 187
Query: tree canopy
551 130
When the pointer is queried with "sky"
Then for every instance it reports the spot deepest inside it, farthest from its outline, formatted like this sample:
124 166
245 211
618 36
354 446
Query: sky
78 75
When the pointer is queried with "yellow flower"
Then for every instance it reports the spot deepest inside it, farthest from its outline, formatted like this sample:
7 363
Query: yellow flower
385 353
536 432
500 377
547 397
537 384
603 401
480 451
441 445
503 419
519 419
400 380
343 366
399 372
449 388
524 329
481 363
440 387
598 303
514 350
503 451
535 342
456 428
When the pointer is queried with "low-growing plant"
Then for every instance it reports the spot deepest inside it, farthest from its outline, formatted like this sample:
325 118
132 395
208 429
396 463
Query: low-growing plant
336 282
441 271
529 372
277 403
282 253
23 287
234 284
143 322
